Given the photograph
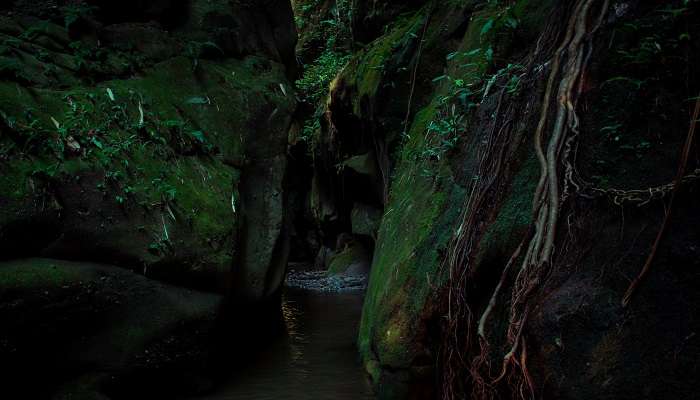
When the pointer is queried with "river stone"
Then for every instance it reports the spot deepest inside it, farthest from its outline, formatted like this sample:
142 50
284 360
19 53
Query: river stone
323 258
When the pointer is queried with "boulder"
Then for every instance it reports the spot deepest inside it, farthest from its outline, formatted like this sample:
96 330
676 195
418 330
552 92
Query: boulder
352 258
63 318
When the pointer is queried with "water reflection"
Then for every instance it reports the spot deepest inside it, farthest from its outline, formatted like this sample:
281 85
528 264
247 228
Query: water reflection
316 359
291 314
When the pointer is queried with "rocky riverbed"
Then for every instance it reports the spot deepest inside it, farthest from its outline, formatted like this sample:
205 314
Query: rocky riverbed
320 281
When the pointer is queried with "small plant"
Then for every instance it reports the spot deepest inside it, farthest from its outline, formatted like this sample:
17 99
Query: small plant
463 95
87 58
313 85
168 192
34 31
317 76
76 11
443 133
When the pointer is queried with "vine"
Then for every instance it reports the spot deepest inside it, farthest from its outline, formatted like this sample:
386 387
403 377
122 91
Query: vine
537 249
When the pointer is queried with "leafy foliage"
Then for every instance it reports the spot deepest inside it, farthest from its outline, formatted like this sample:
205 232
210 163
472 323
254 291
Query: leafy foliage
313 86
103 129
74 12
468 83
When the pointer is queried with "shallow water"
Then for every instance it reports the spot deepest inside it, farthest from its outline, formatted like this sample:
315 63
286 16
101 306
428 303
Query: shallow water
317 358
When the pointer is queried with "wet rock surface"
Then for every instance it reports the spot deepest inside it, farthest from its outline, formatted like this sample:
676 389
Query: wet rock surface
319 281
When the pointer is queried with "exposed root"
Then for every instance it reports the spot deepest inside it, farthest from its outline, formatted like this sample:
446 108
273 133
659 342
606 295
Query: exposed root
548 198
641 197
494 297
677 183
562 90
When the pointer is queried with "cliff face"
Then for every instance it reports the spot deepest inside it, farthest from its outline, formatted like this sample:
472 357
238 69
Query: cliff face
150 135
143 136
524 157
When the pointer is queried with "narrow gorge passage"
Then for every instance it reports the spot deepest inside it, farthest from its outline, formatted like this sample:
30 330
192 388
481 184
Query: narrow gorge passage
315 356
349 199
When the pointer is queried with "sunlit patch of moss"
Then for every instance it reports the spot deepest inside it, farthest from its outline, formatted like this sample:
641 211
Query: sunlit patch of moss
369 67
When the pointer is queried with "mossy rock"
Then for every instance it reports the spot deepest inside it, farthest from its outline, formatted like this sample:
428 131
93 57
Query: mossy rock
353 258
60 318
576 311
140 170
426 196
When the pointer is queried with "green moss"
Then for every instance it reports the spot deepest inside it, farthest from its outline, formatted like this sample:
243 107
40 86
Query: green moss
168 172
514 215
425 201
37 274
370 66
406 257
14 179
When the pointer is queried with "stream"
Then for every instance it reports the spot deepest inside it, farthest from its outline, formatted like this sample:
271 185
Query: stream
315 359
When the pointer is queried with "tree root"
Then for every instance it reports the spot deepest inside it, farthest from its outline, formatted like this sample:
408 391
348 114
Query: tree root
677 184
548 194
563 87
641 197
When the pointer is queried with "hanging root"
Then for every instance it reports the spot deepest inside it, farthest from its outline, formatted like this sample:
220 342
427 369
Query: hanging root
677 183
494 297
553 143
550 192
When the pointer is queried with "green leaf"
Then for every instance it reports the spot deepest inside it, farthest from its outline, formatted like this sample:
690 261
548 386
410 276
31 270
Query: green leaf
199 135
487 27
97 143
472 52
171 193
489 54
197 100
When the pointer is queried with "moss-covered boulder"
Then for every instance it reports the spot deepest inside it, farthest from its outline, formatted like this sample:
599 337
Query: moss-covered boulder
93 330
143 136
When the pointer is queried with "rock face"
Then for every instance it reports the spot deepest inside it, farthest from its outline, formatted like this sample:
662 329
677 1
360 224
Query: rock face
150 135
460 175
142 141
371 16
